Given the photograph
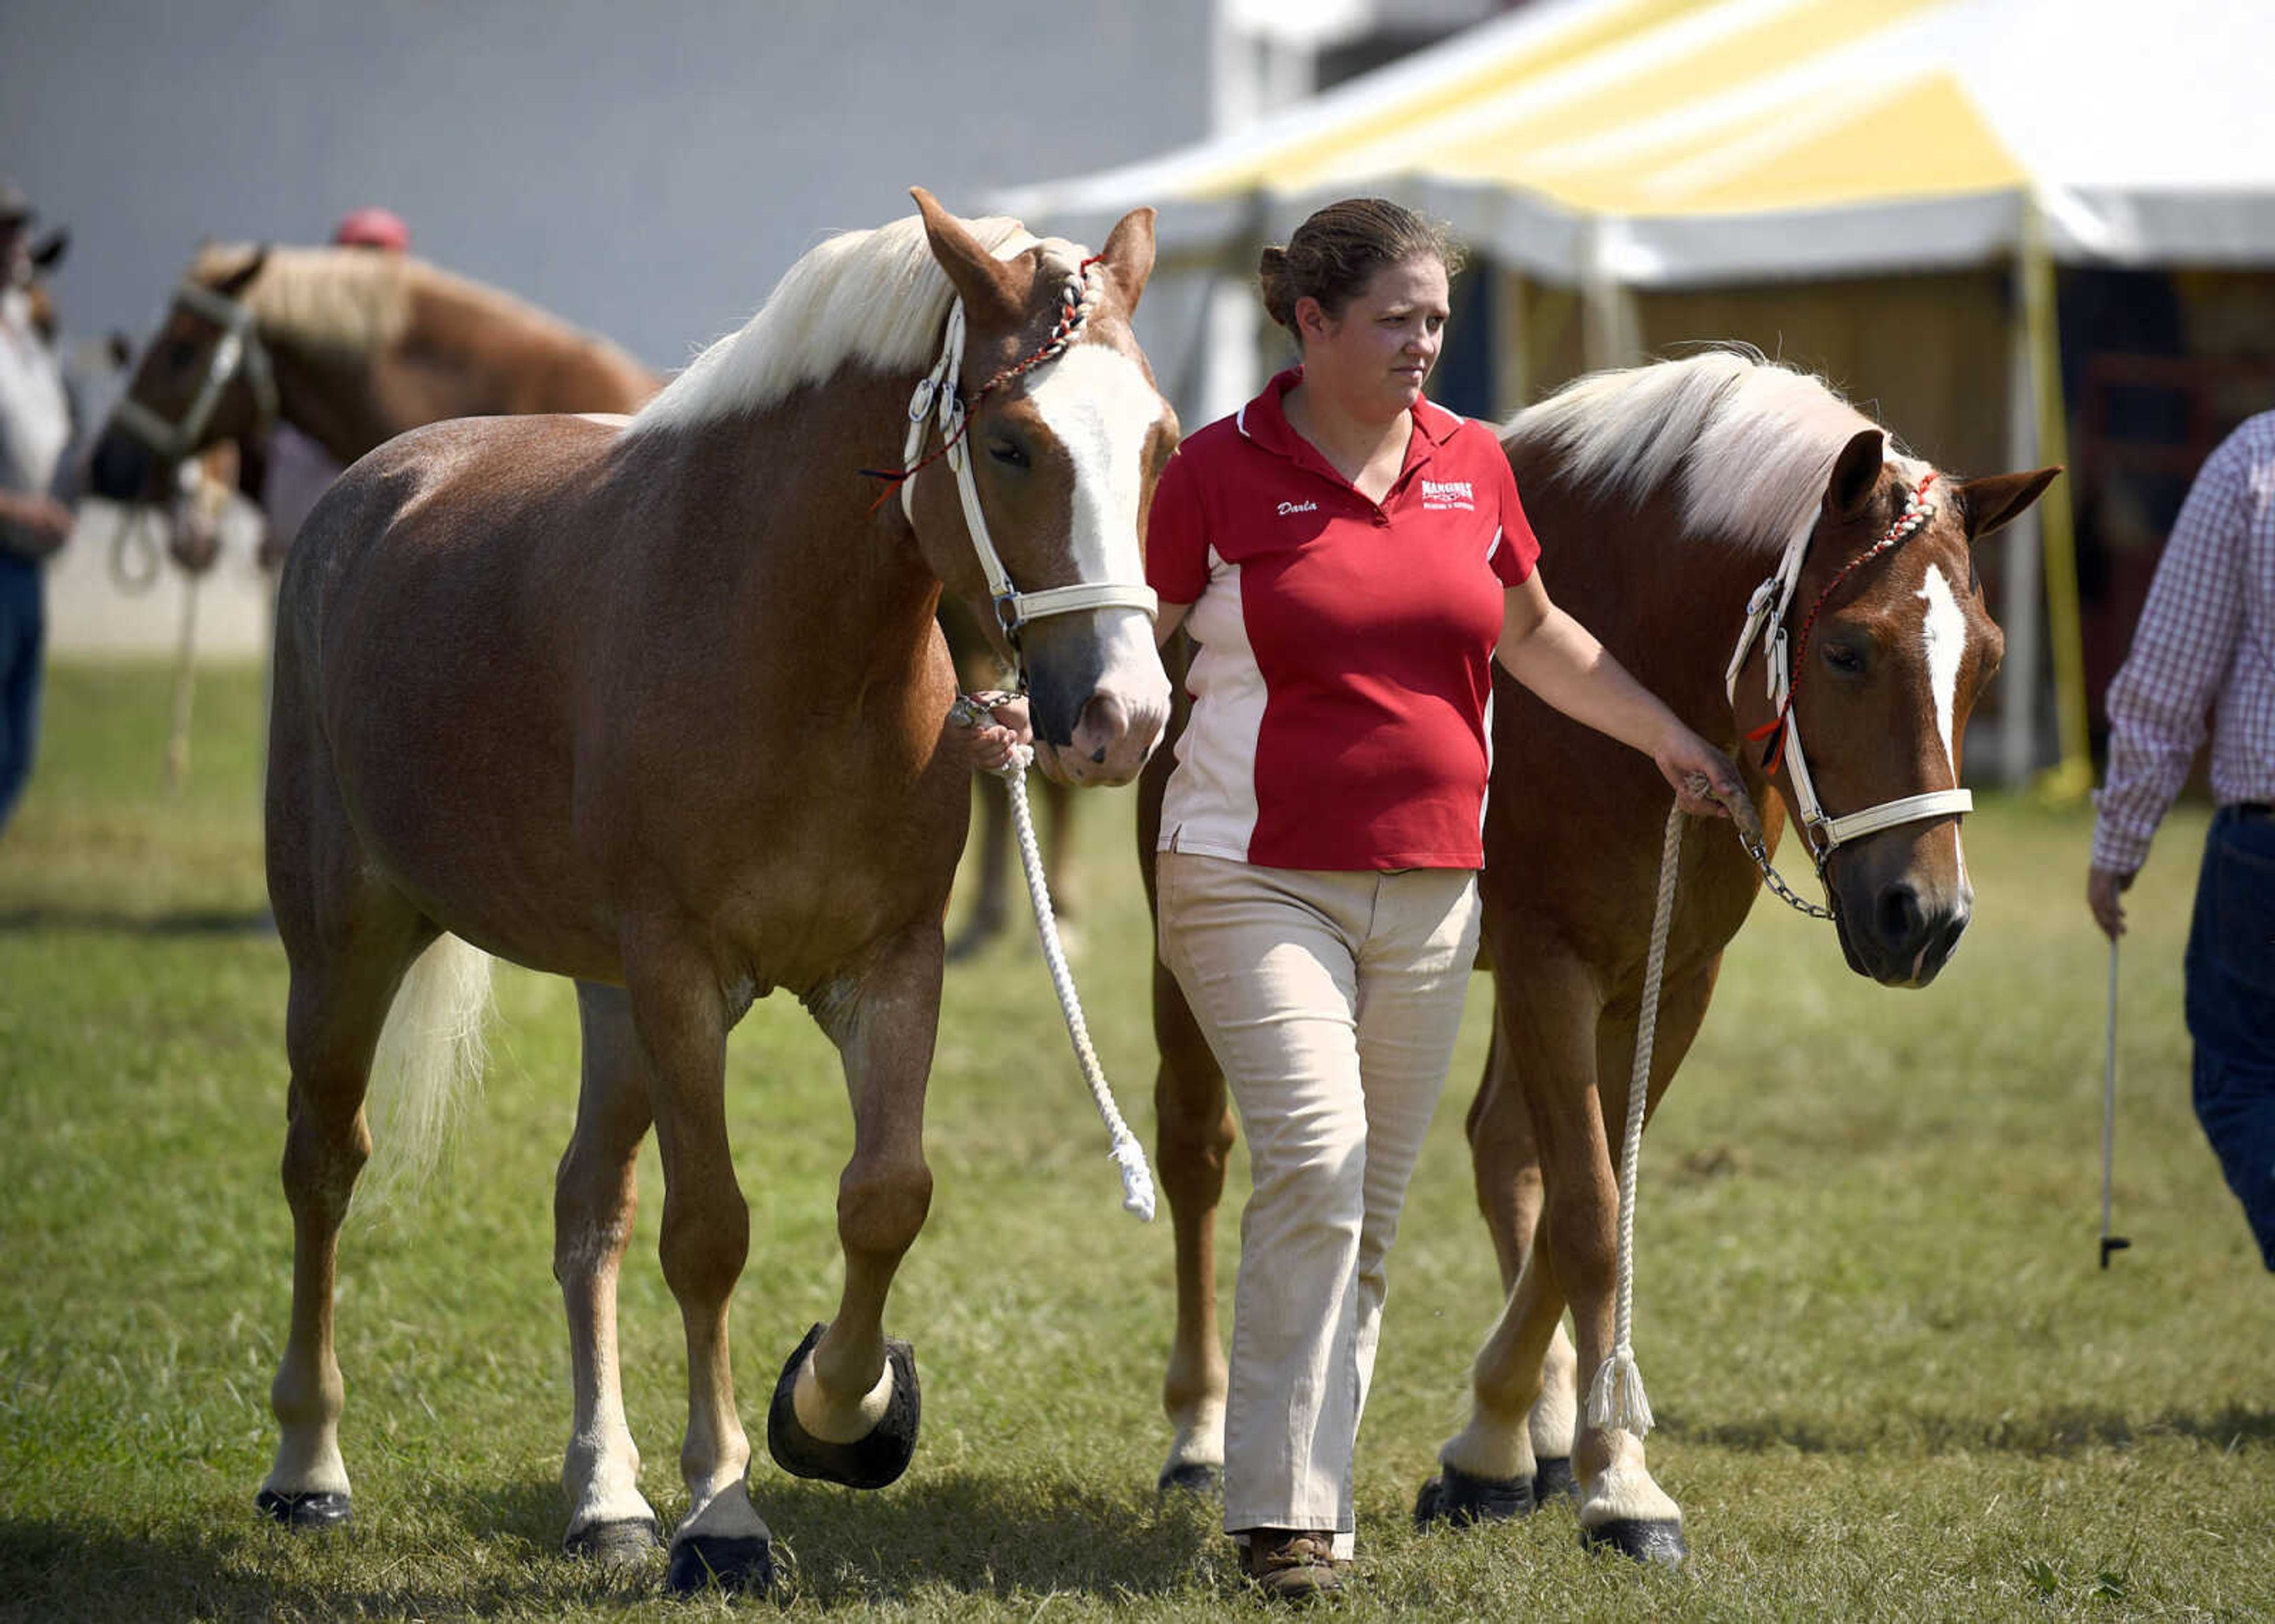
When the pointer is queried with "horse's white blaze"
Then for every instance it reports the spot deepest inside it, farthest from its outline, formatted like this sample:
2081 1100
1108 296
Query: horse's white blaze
1945 636
1098 402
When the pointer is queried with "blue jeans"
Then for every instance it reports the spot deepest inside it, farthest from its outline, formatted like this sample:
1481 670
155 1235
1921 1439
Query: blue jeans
23 651
2231 1003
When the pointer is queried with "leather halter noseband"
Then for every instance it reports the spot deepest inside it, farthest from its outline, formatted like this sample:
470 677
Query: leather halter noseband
238 351
1766 612
937 394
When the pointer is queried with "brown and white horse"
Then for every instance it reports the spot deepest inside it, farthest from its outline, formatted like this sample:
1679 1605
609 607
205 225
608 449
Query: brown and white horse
351 347
1667 498
661 708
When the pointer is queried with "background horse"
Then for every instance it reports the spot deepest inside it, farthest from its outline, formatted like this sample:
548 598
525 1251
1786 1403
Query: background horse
661 708
351 347
1663 497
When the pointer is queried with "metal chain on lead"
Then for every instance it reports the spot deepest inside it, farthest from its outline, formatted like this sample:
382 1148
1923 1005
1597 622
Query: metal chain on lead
1775 882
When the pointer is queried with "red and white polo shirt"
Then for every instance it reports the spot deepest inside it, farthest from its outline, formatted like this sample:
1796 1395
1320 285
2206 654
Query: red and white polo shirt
1344 659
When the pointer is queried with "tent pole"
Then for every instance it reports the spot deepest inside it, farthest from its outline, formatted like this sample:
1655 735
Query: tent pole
2022 611
2073 776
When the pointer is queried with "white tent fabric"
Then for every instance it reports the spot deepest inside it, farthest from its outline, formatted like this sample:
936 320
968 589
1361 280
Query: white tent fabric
1683 142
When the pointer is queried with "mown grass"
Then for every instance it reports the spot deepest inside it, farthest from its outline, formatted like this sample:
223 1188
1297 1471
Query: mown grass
1891 1382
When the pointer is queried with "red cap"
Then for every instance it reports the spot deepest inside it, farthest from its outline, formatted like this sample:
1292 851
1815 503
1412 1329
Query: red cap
373 228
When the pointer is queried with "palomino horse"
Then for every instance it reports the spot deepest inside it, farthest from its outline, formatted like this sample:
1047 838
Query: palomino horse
1663 498
351 346
661 707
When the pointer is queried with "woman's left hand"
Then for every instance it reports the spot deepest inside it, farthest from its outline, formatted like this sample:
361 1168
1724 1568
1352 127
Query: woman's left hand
1706 783
988 744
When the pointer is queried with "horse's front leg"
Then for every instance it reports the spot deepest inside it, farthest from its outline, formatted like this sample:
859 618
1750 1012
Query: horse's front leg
847 1407
592 1204
680 1009
1620 1507
1194 1139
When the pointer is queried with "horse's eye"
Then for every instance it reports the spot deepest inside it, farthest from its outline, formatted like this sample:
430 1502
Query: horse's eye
1006 453
1845 658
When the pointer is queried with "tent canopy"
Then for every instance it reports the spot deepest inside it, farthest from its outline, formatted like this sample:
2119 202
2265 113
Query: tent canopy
1683 142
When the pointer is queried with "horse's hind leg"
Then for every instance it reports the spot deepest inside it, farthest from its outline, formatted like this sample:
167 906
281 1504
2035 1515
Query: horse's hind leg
1193 1144
349 938
592 1204
847 1407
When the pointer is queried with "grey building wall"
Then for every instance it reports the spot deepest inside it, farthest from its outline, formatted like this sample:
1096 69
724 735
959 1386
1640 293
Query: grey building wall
647 170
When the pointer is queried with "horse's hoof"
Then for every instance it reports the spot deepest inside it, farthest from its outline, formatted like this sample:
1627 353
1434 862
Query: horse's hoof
1191 1477
868 1462
1657 1539
310 1511
1454 1496
1555 1480
741 1566
630 1539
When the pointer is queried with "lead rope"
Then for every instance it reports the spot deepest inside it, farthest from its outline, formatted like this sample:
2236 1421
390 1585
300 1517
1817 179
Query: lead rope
1127 1155
1616 1398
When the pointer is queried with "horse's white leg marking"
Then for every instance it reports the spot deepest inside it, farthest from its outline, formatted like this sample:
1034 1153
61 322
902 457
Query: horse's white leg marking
601 1470
839 1421
1098 402
1944 633
1555 1417
1624 1490
1198 1438
309 1458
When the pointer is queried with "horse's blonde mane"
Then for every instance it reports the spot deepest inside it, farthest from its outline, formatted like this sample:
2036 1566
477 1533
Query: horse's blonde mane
355 302
1751 441
875 295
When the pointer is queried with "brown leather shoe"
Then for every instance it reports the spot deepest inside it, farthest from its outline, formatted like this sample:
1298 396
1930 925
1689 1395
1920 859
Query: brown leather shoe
1292 1565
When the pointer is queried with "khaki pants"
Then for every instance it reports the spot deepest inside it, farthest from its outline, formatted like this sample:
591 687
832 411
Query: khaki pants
1332 1001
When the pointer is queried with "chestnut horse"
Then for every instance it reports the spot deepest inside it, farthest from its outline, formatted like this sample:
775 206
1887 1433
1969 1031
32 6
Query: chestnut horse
661 708
1663 497
351 346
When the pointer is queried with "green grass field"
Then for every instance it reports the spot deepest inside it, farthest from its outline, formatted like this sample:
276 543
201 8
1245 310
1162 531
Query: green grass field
1891 1382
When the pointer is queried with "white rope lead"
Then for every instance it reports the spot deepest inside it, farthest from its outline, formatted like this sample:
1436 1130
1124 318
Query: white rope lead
1128 1155
1615 1398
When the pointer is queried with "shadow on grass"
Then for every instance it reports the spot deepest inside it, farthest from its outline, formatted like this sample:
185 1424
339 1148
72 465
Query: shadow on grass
968 1533
109 921
2062 1430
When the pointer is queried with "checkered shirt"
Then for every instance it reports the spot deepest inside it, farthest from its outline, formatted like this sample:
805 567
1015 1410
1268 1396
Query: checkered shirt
2205 644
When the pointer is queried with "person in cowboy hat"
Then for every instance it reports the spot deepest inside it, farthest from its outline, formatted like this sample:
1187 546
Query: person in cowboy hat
34 427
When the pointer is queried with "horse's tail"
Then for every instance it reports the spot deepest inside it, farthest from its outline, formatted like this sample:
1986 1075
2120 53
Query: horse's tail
430 1058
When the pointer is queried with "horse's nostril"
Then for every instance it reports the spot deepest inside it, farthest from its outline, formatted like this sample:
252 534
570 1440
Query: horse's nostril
1099 755
1899 916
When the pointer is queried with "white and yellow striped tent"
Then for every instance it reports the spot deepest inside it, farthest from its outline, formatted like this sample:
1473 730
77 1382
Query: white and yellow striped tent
1617 146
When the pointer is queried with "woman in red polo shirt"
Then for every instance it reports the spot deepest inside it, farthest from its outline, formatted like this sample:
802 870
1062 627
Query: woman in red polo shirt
1349 558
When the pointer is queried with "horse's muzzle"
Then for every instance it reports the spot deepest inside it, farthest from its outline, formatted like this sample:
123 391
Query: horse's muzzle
1098 697
121 468
1898 935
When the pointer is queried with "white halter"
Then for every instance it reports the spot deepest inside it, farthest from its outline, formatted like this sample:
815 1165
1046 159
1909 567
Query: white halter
240 350
1766 611
938 389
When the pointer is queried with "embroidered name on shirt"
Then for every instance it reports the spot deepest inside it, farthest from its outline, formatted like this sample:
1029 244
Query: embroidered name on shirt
1286 508
1443 495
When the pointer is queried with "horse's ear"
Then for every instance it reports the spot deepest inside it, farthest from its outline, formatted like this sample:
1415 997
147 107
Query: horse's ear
1129 254
984 282
241 278
1999 498
1855 474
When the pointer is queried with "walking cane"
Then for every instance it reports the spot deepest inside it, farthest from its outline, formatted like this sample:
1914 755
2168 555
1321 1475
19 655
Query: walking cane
2109 1243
